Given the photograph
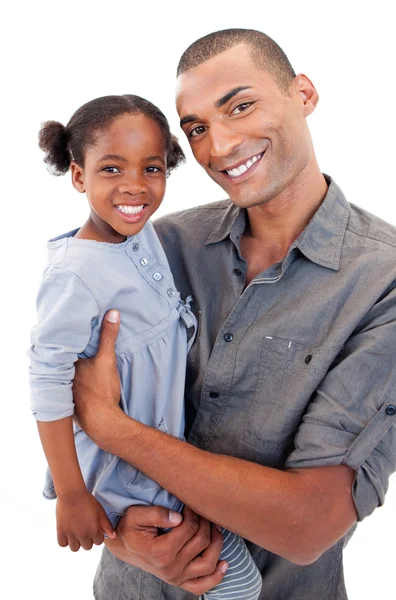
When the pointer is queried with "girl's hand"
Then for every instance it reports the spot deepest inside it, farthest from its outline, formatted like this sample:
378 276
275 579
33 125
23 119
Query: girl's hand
81 521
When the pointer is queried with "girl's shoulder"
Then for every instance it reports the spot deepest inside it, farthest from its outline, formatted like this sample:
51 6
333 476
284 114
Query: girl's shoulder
84 258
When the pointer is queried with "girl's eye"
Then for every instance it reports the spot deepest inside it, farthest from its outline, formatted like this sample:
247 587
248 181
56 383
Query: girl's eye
111 169
153 170
241 107
197 131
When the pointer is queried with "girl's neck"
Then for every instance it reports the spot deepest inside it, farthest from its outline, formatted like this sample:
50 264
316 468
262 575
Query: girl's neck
99 232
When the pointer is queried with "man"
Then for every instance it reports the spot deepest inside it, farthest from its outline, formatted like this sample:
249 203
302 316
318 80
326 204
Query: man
290 401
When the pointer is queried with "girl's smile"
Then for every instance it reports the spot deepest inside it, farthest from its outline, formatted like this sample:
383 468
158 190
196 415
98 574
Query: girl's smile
124 177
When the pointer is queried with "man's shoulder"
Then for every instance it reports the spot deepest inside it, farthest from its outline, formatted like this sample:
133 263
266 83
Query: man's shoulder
198 221
370 228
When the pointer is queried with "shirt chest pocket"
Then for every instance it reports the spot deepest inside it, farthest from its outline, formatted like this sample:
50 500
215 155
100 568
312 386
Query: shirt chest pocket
288 374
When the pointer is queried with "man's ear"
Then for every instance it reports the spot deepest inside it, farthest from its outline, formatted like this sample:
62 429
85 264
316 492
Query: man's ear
77 174
308 93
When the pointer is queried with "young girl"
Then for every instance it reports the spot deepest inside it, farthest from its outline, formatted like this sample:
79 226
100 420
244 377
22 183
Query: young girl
119 150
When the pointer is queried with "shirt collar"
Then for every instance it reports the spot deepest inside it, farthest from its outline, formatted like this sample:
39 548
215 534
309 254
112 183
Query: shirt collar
321 241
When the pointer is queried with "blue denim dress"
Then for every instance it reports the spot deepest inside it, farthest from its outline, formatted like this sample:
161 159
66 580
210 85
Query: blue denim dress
82 280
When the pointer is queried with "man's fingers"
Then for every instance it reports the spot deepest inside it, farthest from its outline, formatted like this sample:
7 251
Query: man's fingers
109 332
137 517
200 585
206 561
196 543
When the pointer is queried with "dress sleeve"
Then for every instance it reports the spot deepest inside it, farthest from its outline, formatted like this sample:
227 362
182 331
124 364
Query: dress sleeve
351 419
65 310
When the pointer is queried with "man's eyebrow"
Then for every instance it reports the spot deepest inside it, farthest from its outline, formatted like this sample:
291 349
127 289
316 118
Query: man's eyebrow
112 157
188 119
223 100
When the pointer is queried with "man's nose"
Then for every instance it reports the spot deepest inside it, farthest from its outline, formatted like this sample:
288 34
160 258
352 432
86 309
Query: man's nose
224 140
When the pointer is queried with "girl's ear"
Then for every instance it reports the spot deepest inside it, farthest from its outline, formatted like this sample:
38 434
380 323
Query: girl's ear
77 174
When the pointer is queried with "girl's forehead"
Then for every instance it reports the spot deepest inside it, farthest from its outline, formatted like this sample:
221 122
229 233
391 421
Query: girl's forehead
131 131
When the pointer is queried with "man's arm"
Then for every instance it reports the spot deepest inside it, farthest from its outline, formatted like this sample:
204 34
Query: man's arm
297 514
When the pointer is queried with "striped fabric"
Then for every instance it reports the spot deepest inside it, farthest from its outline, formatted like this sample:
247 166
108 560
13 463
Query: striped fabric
242 580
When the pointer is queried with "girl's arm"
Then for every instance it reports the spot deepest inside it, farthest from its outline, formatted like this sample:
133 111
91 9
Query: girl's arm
58 443
81 520
65 310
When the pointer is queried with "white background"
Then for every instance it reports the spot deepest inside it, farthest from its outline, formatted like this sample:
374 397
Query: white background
56 56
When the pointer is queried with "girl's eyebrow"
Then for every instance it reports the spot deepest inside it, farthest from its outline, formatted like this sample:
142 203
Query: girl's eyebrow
112 157
155 158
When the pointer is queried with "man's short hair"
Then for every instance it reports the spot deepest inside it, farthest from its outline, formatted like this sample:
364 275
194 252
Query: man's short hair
265 53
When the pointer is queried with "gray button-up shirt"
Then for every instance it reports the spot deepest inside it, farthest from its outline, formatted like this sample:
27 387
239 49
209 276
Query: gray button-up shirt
297 369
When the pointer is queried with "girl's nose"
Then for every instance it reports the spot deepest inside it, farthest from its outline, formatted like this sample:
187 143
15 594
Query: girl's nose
133 186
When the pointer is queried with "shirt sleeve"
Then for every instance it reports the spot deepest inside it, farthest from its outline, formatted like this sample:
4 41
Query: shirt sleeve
351 419
65 310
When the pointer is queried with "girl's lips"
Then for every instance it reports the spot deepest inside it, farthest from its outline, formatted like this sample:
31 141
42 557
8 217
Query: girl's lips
133 217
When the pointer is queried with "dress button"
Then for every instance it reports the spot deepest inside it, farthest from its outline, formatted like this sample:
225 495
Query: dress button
135 246
171 293
308 359
237 272
143 262
157 276
214 394
391 410
228 337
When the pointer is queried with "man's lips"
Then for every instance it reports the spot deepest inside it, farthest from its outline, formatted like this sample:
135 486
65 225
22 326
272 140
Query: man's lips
241 169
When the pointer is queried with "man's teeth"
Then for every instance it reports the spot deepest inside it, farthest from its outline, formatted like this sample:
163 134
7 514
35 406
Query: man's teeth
129 210
245 167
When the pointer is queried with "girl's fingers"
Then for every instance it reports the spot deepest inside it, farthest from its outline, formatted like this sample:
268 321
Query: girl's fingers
107 528
98 538
86 543
62 540
74 544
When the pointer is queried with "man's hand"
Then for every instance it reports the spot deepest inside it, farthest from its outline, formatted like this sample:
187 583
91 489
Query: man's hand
96 385
186 556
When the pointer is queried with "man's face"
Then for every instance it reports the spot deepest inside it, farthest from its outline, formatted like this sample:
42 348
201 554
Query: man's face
249 136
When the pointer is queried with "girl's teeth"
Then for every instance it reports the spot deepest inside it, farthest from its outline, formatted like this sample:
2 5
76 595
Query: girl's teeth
129 210
243 168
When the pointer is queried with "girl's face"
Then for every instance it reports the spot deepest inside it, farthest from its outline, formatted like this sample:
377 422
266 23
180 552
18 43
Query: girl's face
124 176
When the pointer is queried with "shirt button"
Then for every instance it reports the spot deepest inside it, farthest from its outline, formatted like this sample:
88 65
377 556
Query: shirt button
171 293
214 394
308 359
228 337
135 247
143 262
157 276
237 272
391 410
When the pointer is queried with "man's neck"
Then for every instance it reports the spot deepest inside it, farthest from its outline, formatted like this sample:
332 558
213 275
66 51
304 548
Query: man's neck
273 227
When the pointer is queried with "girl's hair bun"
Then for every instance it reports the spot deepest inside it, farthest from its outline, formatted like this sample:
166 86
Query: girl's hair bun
53 140
175 154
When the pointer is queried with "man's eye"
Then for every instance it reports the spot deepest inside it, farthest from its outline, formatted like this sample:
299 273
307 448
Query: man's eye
197 131
111 169
241 107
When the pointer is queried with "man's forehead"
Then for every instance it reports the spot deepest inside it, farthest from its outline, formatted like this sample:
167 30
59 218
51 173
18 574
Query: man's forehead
215 77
